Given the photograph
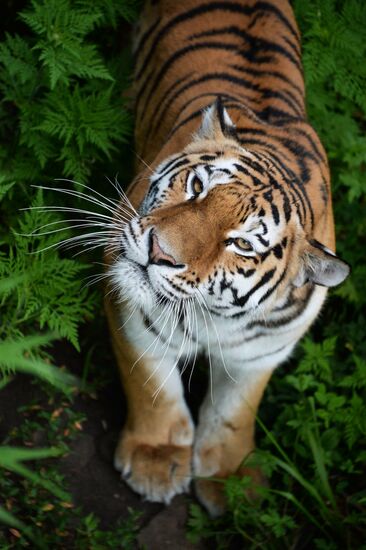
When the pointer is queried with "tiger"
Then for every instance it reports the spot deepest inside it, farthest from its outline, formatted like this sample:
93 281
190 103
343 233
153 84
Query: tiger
226 240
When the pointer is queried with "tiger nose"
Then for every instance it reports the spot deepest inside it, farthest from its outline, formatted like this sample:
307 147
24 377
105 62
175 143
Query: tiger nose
156 253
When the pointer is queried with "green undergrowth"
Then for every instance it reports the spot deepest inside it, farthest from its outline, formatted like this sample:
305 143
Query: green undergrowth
37 505
64 71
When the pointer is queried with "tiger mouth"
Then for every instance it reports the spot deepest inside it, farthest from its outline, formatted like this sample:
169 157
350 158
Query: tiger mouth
141 270
162 295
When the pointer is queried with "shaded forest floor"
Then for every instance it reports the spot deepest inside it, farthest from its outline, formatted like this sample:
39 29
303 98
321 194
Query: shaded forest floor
91 431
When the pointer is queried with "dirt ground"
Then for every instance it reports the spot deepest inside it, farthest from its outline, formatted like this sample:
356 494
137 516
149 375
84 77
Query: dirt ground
88 468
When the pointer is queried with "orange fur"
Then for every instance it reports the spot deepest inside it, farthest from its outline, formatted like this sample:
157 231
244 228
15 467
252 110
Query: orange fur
253 62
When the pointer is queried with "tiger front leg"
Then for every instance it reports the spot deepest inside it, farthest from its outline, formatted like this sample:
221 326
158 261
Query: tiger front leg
225 435
154 452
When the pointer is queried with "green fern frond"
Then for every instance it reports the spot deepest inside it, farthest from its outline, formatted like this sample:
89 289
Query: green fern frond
85 119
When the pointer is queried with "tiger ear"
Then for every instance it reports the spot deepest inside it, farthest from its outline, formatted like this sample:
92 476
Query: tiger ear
216 123
321 266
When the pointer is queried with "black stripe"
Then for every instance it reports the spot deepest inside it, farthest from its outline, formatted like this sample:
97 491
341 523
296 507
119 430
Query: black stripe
300 153
277 251
245 84
140 114
142 41
169 62
257 44
205 9
318 153
285 97
176 287
198 113
131 233
255 165
263 73
149 325
238 343
177 163
170 294
243 300
167 165
295 47
264 242
207 157
246 273
291 179
276 116
273 288
289 176
275 213
286 319
263 355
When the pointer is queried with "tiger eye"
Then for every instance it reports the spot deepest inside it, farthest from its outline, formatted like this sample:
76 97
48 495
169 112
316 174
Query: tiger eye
197 185
242 244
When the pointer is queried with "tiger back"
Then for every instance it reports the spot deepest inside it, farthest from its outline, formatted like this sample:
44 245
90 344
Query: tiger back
229 248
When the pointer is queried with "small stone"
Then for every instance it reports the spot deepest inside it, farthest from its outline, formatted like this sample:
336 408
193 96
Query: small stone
167 529
82 451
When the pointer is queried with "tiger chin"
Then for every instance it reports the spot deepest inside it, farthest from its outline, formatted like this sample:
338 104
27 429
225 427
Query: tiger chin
228 249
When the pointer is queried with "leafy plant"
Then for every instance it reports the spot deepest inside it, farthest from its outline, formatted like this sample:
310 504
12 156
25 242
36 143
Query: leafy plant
61 115
37 504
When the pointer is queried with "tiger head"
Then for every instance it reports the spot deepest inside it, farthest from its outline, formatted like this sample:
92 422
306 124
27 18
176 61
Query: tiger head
221 222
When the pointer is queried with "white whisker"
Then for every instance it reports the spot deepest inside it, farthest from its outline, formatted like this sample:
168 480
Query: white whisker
128 318
153 342
145 163
64 209
176 362
113 202
83 224
187 306
79 195
117 186
196 350
175 313
217 336
208 349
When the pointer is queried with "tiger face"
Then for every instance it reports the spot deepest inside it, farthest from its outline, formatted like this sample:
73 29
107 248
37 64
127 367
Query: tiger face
219 221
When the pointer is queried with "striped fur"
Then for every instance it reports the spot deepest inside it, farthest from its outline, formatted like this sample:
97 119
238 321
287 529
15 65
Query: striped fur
230 251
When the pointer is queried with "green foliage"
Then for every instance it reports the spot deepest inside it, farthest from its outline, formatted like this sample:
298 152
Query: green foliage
42 279
61 115
61 46
35 517
123 535
334 37
58 94
17 356
313 457
12 459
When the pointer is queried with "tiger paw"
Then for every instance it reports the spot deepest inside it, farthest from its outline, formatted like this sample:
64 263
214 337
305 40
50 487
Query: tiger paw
156 472
211 494
211 491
